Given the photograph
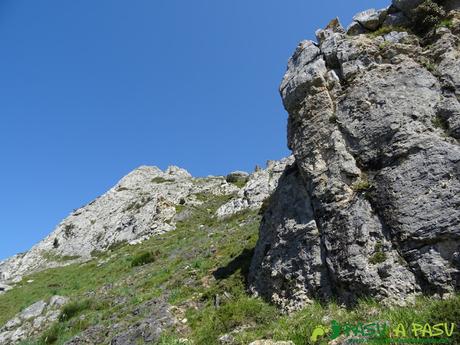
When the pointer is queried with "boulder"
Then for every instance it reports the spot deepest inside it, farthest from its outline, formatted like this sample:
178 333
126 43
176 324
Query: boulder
370 19
33 311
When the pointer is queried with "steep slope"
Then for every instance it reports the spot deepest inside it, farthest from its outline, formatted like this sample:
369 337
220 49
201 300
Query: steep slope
374 118
144 203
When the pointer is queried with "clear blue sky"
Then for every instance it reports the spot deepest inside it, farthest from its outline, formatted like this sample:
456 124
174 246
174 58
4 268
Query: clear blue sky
92 89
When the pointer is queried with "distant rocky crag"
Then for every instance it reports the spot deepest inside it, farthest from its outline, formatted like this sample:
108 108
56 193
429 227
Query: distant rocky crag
371 206
145 203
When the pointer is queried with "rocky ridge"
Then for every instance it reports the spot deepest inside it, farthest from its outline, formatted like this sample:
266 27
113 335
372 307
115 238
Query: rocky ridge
145 203
371 206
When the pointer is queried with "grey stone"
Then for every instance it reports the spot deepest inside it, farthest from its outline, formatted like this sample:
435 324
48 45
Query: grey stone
236 175
12 324
258 188
33 311
227 339
92 335
149 329
370 19
57 301
4 288
355 29
31 321
395 36
370 206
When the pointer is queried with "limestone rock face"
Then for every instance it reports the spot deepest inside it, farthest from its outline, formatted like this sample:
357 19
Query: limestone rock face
142 204
258 188
371 205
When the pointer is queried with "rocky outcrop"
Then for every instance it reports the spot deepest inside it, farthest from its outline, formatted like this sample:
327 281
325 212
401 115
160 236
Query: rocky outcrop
371 206
144 203
32 320
259 186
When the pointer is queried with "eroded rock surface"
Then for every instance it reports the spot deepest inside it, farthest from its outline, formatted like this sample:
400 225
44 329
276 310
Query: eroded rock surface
371 206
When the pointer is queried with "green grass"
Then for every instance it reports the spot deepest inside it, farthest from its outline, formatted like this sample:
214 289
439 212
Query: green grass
238 181
160 179
386 30
377 258
58 258
446 23
362 184
143 258
72 309
201 268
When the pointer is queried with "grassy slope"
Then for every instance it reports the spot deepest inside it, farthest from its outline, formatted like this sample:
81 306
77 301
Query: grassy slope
202 259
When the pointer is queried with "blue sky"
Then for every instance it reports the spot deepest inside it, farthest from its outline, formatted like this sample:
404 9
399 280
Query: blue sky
92 89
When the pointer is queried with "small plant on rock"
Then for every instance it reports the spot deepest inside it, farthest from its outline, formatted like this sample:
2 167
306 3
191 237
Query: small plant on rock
427 15
362 184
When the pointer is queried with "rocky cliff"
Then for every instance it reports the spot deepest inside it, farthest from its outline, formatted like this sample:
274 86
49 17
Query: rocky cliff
371 206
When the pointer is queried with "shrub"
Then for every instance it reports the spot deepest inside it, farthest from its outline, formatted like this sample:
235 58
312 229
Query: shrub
239 181
362 185
160 179
333 119
378 258
386 30
72 309
447 23
427 15
52 334
143 258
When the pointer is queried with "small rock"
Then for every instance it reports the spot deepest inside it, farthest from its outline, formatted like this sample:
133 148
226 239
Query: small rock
395 37
58 301
4 288
13 323
226 339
